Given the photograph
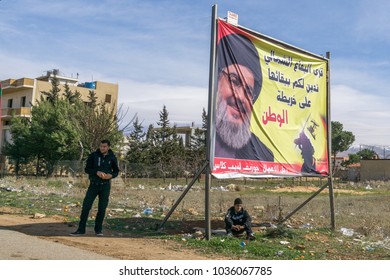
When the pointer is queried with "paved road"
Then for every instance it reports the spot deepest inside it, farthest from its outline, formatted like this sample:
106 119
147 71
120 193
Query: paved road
18 246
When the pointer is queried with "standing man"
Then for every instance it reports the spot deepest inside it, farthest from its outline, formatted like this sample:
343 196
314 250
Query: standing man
101 167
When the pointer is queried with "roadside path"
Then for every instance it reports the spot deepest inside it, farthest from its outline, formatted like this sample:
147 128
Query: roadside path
24 238
20 246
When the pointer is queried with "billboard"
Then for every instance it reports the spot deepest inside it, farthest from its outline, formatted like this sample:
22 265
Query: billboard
270 117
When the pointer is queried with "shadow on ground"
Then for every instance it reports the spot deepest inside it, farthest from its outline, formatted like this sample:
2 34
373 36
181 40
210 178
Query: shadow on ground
115 227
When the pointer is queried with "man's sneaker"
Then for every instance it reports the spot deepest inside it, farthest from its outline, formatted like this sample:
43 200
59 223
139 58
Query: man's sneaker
229 234
77 233
99 233
251 236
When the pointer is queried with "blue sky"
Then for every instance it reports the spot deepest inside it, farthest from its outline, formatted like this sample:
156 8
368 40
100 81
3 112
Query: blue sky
158 51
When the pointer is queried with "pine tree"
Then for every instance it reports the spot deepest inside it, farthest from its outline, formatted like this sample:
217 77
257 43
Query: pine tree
59 129
204 119
55 144
54 93
71 96
178 156
150 132
19 150
196 154
92 98
166 144
136 149
165 131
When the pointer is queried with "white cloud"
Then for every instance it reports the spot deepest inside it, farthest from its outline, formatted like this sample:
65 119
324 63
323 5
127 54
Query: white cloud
366 116
184 103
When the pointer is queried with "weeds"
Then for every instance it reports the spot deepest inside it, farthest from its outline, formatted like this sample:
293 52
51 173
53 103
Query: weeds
281 231
308 235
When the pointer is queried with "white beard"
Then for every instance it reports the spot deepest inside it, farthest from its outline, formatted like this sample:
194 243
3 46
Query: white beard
234 135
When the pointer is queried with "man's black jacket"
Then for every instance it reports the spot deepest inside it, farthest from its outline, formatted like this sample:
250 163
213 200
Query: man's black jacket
105 163
241 218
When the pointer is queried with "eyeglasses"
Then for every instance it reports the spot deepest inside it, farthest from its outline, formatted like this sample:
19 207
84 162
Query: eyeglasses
237 83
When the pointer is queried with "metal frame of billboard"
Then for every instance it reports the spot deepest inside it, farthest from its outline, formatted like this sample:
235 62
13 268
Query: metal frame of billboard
207 166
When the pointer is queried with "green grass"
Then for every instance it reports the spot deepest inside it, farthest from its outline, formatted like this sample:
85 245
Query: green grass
320 244
30 203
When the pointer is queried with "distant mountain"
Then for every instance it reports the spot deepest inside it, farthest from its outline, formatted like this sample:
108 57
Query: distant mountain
383 152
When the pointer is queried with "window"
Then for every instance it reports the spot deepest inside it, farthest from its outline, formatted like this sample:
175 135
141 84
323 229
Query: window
23 101
108 98
9 103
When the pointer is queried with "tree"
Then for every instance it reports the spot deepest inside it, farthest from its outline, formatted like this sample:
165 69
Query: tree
53 136
352 159
64 128
363 154
196 154
92 98
48 137
137 152
341 140
367 154
54 93
150 132
150 151
163 147
165 131
71 96
94 124
177 160
18 149
166 147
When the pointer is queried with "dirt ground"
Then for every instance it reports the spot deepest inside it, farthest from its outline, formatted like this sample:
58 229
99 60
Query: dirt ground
55 229
132 234
310 189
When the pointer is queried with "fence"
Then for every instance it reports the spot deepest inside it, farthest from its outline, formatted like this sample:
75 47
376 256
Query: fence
65 168
75 168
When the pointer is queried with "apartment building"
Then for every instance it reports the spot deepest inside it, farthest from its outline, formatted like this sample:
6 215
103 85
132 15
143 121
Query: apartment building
19 95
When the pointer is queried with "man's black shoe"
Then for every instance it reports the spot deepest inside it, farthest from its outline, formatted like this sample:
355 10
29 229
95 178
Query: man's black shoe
99 233
77 233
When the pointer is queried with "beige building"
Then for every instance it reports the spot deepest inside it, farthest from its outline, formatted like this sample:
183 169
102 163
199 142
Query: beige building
20 95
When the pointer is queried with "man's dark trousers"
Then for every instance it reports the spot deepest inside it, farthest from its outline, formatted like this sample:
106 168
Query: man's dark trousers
95 189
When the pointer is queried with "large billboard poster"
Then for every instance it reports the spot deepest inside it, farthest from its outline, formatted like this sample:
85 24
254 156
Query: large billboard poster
270 116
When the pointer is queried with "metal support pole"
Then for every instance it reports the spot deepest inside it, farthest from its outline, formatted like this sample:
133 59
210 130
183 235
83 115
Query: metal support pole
331 201
304 203
183 195
330 178
207 203
210 116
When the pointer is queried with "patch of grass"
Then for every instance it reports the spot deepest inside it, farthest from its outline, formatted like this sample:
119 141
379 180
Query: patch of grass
55 183
30 203
320 244
143 226
280 231
262 248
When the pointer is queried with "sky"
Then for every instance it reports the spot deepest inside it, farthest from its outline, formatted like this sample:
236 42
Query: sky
158 51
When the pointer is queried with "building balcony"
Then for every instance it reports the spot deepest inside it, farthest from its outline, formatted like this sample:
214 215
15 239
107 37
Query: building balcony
12 85
8 113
